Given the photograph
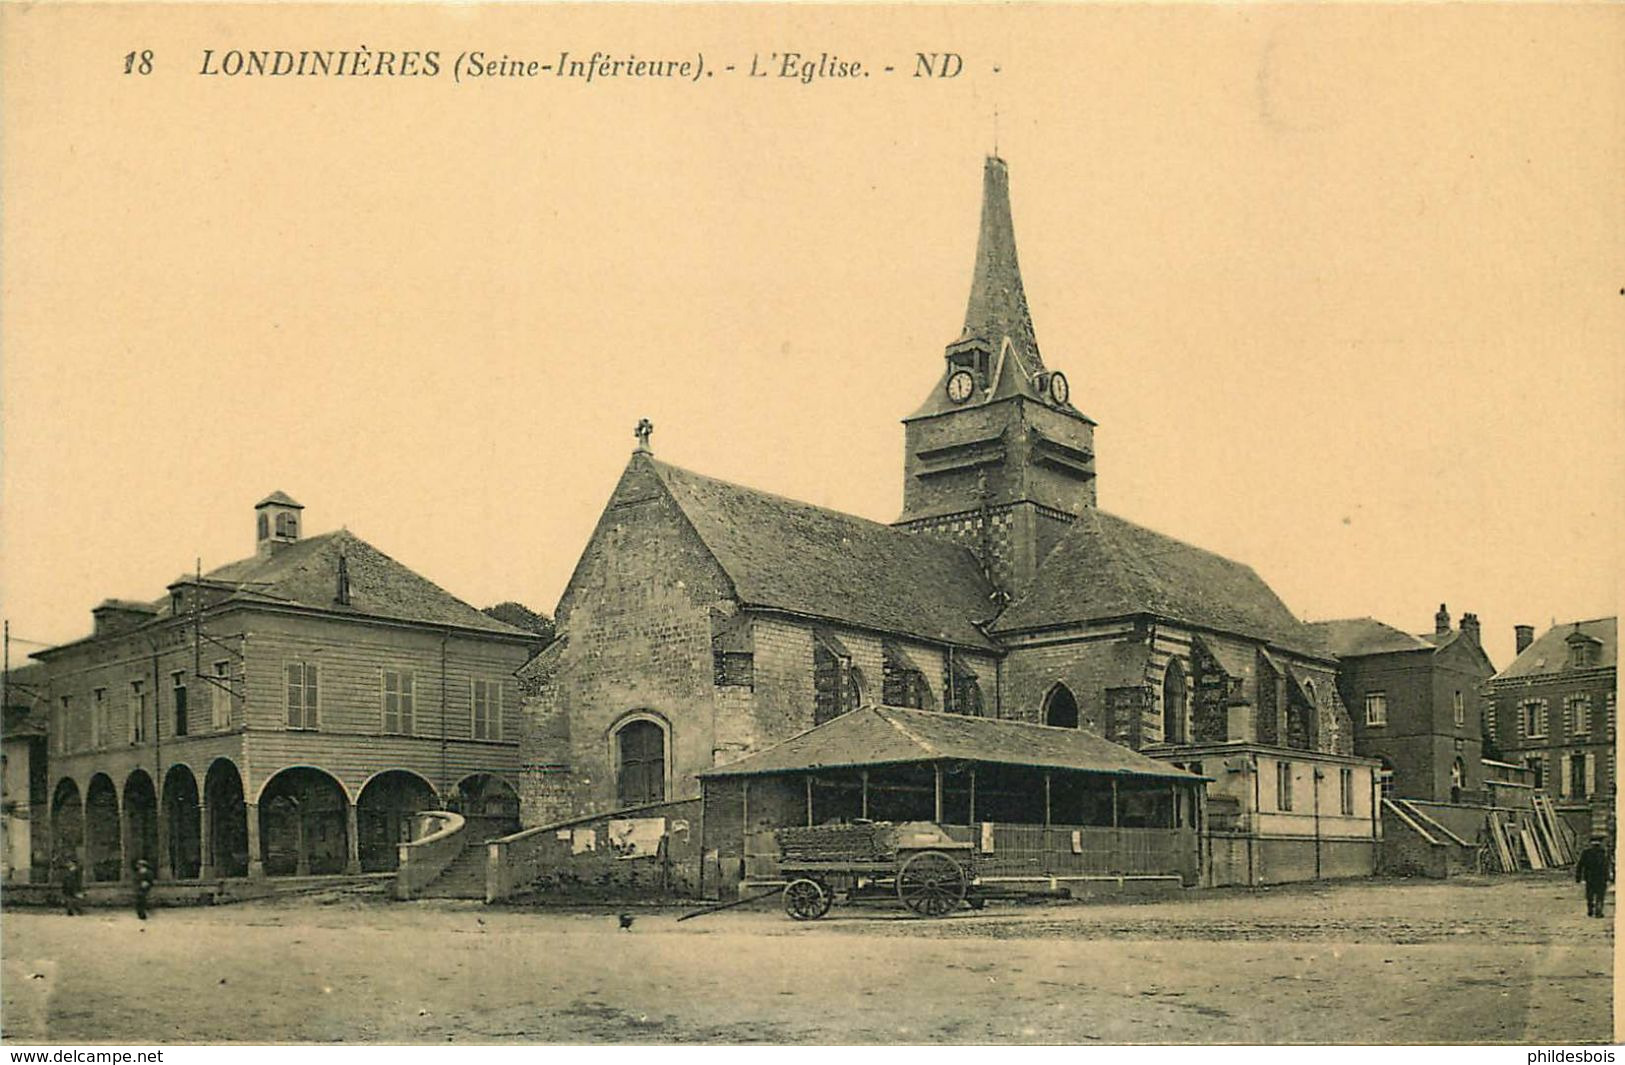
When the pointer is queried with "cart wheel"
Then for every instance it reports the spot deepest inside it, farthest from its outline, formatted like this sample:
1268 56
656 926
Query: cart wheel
806 900
931 884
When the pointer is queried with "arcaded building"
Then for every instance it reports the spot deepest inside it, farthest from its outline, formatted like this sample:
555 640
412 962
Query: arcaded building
284 714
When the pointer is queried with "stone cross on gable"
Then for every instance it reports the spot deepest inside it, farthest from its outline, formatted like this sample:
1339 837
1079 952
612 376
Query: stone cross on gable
644 430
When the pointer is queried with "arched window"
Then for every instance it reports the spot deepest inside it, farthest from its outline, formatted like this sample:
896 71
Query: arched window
640 762
1173 703
1060 708
1458 779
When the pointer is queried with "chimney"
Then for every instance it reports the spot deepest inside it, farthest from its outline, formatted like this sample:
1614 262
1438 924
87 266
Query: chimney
1441 621
1469 626
1525 636
117 615
276 523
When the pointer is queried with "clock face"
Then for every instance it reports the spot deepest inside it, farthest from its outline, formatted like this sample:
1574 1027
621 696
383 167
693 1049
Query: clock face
1058 390
960 385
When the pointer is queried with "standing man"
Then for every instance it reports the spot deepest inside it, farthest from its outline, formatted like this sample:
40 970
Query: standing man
73 887
143 886
1592 867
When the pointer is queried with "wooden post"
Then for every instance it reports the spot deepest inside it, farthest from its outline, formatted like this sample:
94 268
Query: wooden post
809 801
1046 800
972 795
938 768
864 776
1117 833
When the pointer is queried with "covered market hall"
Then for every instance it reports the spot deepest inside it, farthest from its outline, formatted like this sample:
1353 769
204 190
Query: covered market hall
1039 803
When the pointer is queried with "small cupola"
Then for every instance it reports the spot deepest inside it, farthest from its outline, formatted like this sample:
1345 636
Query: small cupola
276 522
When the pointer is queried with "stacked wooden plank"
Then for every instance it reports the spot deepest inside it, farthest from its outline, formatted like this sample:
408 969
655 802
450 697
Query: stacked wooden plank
1527 839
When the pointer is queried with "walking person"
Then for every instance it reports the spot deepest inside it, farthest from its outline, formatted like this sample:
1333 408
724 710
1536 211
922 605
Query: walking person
143 886
1593 868
73 887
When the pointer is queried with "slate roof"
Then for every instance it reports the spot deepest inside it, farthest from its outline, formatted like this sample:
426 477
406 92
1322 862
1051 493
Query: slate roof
305 573
1549 654
890 735
787 555
1106 567
1352 637
27 711
279 497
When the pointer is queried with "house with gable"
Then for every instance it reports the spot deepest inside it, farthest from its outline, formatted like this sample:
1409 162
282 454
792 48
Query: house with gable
1552 710
1415 702
707 622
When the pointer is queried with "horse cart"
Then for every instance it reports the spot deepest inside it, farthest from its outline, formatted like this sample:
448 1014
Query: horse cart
915 863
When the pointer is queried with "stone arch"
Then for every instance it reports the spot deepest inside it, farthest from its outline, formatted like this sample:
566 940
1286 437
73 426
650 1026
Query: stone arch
67 823
1174 716
304 823
183 820
225 850
488 803
383 816
640 752
1061 707
140 819
103 845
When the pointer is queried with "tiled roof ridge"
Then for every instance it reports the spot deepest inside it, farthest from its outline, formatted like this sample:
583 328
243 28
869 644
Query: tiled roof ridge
881 710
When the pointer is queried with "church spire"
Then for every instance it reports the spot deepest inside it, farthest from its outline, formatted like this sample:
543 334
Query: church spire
998 304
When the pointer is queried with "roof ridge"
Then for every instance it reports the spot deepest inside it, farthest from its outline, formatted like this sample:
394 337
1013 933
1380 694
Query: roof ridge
880 709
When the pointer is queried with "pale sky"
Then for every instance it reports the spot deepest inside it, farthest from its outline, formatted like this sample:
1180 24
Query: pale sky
1341 285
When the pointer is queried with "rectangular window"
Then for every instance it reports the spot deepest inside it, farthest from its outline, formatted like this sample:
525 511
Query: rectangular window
1283 785
1346 779
138 712
1460 707
302 690
1376 708
1532 718
178 679
1579 708
1578 783
487 710
220 697
398 695
98 718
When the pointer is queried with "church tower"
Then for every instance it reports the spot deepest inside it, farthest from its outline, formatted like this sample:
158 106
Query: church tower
998 458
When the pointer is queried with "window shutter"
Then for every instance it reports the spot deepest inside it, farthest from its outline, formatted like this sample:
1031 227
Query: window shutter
1591 774
1563 776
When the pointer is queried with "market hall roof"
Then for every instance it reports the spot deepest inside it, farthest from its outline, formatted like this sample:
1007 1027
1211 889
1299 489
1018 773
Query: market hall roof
890 735
1106 567
787 555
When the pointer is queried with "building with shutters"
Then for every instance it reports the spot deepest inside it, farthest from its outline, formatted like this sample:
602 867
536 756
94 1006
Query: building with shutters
707 621
1552 710
284 714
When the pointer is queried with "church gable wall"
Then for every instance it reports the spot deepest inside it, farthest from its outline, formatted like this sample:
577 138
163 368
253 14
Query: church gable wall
638 617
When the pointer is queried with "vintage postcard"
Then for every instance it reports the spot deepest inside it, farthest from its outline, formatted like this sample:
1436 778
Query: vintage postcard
574 524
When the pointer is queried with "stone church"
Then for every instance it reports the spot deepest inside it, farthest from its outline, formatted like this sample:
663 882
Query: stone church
706 621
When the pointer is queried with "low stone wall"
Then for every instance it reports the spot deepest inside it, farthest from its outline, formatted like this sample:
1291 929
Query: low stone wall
438 839
1242 860
649 852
